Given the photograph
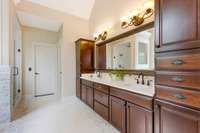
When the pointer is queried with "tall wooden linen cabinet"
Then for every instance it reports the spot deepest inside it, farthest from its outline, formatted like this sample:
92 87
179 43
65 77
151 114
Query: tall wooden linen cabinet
177 101
84 60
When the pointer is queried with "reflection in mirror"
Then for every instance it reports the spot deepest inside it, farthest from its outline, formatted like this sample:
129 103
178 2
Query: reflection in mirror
130 53
144 52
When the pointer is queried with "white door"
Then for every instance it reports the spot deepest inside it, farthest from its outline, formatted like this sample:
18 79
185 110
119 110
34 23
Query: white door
46 67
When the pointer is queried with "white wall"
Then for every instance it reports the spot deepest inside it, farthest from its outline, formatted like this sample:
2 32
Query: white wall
30 35
6 11
73 28
107 13
6 54
1 17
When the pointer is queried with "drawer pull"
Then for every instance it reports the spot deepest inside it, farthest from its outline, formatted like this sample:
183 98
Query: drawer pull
179 96
178 79
178 62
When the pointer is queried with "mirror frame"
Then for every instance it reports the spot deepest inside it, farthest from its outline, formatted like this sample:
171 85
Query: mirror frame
124 35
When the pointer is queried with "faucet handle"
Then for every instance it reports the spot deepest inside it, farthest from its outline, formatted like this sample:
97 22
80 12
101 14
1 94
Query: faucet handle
137 80
149 82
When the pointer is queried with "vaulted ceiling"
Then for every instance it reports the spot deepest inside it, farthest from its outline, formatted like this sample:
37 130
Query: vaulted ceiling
80 8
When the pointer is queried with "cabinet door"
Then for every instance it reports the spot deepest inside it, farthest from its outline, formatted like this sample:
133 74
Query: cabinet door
84 93
177 24
90 97
78 87
101 57
170 118
139 120
118 113
86 56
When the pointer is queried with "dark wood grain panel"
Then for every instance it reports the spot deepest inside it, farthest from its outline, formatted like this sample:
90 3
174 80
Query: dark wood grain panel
101 97
180 96
181 60
170 118
101 110
139 120
102 88
179 79
78 87
87 83
176 15
101 57
84 93
86 56
137 99
157 23
90 97
118 113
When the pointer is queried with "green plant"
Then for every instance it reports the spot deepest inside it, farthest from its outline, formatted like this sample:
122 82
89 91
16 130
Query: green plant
119 74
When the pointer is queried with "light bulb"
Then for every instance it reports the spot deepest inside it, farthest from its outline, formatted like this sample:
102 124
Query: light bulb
124 19
149 4
95 35
133 13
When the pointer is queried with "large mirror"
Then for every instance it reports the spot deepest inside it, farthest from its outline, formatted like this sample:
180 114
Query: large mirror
135 52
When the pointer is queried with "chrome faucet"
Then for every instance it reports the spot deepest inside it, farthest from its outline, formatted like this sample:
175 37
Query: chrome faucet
141 74
98 74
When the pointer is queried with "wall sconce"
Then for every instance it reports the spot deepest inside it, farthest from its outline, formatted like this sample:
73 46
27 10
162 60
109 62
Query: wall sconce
137 17
101 35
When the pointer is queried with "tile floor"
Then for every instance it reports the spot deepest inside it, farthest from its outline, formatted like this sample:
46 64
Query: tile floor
69 115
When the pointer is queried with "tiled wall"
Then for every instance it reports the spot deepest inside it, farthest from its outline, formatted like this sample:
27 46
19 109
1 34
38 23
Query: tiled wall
5 112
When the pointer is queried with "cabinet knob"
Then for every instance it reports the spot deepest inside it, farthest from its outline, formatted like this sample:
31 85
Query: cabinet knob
179 96
178 62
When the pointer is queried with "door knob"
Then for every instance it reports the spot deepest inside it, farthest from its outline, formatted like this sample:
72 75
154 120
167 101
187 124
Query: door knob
36 73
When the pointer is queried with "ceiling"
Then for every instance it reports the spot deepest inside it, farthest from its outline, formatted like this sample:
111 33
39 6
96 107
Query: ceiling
80 8
30 20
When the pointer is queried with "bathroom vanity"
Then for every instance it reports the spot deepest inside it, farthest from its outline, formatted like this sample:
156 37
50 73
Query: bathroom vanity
128 106
126 102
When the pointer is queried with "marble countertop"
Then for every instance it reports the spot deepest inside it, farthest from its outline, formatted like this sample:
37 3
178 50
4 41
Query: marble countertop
129 86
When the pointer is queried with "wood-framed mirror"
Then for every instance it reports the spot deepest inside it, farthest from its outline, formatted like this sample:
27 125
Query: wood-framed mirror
132 51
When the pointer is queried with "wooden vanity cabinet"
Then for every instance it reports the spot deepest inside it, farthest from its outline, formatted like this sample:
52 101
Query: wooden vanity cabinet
131 113
84 60
177 24
118 113
87 93
171 118
101 100
139 119
177 38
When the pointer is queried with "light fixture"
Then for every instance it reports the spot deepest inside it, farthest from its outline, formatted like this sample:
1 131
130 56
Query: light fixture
101 35
137 17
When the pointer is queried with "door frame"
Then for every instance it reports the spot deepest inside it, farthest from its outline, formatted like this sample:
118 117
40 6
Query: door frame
58 83
17 39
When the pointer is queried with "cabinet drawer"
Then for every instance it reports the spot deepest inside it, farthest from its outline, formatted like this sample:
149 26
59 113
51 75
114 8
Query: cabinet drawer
101 110
185 97
102 88
182 79
101 97
187 60
87 83
140 100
